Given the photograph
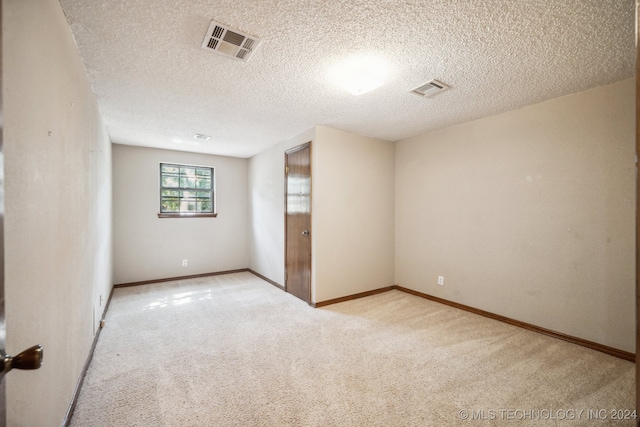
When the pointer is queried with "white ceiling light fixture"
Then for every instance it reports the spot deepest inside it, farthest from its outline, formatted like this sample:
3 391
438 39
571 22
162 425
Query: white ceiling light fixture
360 74
202 137
229 42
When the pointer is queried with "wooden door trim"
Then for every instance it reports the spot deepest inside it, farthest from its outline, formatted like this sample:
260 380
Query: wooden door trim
637 105
296 149
286 242
3 394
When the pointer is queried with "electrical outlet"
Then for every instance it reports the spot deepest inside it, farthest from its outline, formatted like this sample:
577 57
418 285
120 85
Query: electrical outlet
441 280
184 262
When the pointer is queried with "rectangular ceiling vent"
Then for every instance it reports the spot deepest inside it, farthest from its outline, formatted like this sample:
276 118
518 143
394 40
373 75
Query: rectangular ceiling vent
228 42
430 88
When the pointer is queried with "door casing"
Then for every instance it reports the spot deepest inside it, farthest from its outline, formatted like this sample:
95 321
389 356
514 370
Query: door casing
3 328
637 210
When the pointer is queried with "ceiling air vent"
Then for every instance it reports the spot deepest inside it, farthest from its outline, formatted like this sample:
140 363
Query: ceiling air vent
429 88
228 42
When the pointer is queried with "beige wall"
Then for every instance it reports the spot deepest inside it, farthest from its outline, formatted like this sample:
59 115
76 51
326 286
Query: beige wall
528 214
147 247
352 214
58 209
266 208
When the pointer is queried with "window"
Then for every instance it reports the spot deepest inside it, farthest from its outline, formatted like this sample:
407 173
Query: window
186 191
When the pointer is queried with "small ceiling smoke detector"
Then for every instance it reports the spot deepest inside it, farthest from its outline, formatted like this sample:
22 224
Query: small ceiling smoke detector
202 137
229 42
429 88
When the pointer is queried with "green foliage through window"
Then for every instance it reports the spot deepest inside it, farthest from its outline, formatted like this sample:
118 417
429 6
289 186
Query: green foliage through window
186 189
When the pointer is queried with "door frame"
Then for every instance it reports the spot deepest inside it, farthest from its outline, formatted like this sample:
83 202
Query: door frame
286 216
637 105
3 325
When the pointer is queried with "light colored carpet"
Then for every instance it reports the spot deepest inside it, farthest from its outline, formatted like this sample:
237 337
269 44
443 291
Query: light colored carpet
233 350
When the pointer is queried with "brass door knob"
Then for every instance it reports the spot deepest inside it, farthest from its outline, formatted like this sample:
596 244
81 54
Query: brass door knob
30 358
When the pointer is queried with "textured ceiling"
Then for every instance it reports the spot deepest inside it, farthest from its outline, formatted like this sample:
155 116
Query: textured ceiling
157 87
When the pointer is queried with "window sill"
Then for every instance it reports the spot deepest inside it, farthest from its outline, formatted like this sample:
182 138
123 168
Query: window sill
187 215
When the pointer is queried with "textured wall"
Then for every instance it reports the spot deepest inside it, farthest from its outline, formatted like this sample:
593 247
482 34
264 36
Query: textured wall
58 209
528 214
353 214
266 208
147 247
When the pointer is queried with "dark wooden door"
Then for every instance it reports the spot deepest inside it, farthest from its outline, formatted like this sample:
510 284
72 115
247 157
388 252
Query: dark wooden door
298 221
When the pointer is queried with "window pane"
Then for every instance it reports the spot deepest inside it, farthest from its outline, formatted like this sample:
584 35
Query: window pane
203 183
187 206
187 171
186 182
171 193
204 194
203 172
204 206
170 181
170 169
170 205
188 194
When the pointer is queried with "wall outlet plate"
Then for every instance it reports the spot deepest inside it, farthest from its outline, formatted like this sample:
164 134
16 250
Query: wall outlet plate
441 280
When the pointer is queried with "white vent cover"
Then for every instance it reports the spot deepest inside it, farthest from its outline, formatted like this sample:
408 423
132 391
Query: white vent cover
429 88
228 42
